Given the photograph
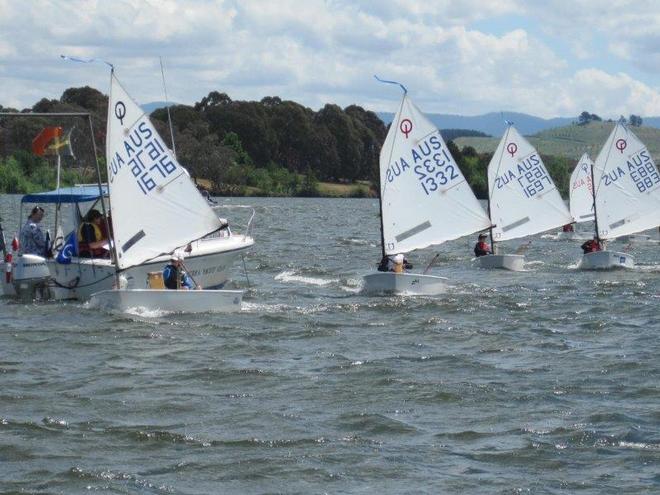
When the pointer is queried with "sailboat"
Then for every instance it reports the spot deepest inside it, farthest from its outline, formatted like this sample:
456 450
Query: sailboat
424 200
522 198
155 209
626 197
581 201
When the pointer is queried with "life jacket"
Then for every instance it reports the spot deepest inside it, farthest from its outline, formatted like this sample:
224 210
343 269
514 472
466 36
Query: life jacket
170 274
83 245
481 249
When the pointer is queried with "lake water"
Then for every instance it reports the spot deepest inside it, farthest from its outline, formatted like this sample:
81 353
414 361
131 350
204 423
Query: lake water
544 381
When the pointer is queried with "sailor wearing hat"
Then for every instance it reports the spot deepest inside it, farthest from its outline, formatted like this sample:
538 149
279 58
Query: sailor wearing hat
174 274
481 248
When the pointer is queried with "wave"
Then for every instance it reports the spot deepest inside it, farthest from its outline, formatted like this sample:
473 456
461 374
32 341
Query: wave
290 276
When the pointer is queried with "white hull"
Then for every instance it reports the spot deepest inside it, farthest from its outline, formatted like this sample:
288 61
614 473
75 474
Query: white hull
512 262
208 263
171 301
410 284
7 288
606 260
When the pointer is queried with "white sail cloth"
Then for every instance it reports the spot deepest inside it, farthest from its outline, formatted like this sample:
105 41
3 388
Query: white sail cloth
523 197
425 198
627 186
155 206
581 191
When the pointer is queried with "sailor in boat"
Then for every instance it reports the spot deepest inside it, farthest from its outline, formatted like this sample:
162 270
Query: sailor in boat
482 248
591 246
175 276
568 228
32 238
92 243
397 264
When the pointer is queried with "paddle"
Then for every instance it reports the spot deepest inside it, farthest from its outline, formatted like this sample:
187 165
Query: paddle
197 286
431 264
521 249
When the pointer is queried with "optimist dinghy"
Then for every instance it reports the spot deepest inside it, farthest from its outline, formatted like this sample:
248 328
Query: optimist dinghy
581 200
424 200
156 209
626 199
522 199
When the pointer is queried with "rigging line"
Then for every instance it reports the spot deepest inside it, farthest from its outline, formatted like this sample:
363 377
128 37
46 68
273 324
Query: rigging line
602 171
167 106
499 165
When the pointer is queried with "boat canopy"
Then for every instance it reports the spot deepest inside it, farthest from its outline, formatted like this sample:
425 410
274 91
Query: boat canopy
76 194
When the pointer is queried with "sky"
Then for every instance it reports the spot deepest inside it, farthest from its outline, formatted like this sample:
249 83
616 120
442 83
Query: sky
547 58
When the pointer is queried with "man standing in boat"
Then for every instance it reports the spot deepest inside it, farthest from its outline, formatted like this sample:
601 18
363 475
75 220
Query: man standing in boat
175 276
32 238
481 248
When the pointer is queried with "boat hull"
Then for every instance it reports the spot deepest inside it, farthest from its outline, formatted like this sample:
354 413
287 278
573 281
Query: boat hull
606 260
170 301
512 262
209 263
410 284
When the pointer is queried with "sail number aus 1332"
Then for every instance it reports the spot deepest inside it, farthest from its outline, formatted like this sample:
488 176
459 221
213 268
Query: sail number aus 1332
430 162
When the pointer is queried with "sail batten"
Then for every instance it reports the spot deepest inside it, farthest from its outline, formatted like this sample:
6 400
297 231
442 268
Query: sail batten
154 205
519 184
425 198
627 186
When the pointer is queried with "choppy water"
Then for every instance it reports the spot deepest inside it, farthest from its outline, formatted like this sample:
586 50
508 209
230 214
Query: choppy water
537 382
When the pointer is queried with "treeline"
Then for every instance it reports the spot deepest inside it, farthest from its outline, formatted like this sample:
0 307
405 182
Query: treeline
272 146
475 166
585 118
268 147
332 144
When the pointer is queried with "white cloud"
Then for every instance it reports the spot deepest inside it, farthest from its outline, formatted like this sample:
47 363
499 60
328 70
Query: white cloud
327 51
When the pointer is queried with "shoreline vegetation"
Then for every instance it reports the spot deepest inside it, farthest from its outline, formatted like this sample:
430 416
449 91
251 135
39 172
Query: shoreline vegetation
270 147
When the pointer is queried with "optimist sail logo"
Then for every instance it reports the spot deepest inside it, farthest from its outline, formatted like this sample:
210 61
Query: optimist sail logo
512 148
406 127
621 145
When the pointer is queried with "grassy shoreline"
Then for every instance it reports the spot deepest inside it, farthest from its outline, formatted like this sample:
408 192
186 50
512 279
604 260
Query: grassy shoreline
358 189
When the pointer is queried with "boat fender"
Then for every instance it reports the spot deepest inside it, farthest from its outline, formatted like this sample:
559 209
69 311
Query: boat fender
8 259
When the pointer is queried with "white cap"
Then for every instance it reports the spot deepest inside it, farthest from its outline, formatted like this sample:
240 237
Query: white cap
177 255
397 258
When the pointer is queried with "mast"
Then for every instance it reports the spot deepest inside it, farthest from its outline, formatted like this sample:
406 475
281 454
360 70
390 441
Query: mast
380 186
490 229
380 207
593 195
167 106
113 246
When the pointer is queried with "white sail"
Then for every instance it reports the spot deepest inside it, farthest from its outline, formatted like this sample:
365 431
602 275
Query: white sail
425 198
523 197
581 191
627 186
155 207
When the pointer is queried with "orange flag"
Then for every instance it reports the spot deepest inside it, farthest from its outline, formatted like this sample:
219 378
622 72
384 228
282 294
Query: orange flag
40 144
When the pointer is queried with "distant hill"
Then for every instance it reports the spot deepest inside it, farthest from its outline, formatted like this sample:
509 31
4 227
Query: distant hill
492 123
155 105
571 141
